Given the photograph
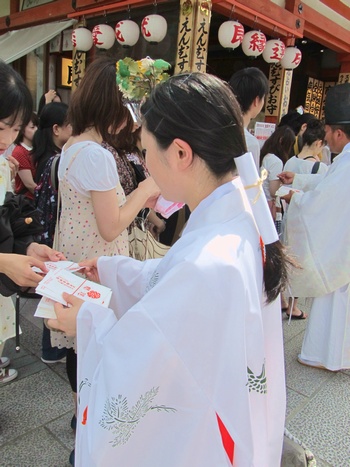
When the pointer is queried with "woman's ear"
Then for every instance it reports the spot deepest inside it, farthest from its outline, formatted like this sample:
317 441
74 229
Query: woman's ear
183 153
55 129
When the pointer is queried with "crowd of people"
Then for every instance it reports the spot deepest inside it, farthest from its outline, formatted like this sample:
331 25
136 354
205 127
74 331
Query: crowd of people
194 339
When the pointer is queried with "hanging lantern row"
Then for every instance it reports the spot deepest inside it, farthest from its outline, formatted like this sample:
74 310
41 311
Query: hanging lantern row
126 32
231 35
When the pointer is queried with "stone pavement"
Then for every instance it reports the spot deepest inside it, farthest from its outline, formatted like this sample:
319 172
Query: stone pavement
36 408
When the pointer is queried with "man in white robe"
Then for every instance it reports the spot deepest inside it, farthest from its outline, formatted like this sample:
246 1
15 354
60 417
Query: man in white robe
318 234
187 370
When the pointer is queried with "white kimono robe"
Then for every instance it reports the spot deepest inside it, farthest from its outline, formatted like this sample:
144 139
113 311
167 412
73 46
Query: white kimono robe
318 234
190 373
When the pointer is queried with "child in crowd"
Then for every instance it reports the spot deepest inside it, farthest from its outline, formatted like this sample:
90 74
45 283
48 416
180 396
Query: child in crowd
24 181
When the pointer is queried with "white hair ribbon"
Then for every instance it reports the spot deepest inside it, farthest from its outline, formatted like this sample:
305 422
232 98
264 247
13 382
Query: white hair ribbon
253 185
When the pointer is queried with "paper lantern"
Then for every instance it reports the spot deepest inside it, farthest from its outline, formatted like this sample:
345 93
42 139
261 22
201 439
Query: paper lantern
127 33
154 28
82 39
292 58
274 51
253 43
231 34
103 36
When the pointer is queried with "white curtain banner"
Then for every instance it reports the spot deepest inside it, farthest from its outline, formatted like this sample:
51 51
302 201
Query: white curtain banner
16 44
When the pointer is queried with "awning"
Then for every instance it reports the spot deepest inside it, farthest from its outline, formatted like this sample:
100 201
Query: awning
16 44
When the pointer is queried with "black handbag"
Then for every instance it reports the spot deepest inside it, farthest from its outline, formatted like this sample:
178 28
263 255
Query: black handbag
19 226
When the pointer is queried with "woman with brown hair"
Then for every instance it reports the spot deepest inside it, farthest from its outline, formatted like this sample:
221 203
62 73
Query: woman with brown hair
94 214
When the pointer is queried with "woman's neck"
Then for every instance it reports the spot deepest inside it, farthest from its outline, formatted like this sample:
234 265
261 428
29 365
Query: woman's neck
204 187
27 142
307 151
88 135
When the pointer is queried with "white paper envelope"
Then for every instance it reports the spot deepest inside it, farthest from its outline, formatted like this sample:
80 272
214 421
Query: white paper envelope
55 265
56 282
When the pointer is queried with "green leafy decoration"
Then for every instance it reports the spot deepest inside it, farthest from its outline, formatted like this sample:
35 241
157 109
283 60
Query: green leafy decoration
137 78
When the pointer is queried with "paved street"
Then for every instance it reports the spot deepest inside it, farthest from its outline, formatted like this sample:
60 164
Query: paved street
36 408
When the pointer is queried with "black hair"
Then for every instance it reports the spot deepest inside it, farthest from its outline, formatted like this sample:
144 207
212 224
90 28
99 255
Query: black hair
247 84
44 147
202 110
292 119
279 143
42 102
35 120
314 132
16 102
307 118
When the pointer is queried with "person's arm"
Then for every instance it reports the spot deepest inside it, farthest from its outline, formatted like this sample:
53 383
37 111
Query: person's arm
44 252
158 224
112 220
66 317
14 165
274 186
50 96
19 269
27 179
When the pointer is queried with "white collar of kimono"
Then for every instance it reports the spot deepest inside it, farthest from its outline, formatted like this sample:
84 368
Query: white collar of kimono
346 148
207 212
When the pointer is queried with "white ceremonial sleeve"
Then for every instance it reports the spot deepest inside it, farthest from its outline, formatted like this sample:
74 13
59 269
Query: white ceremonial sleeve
317 233
306 182
180 379
127 277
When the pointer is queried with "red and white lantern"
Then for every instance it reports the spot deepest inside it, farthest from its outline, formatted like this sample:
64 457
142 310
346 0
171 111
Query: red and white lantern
154 28
127 33
292 58
274 51
103 36
253 43
231 34
82 39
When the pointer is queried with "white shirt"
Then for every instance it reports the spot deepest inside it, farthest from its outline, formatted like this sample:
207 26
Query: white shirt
94 168
274 166
253 146
303 166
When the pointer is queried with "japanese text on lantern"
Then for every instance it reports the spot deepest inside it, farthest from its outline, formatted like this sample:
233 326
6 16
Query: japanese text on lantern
274 96
257 42
297 58
238 34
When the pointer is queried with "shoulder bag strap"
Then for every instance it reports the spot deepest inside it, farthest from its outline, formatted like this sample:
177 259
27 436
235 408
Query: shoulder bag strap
315 167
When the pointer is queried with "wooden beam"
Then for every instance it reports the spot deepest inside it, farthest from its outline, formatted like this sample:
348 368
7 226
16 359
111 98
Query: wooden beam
321 29
14 6
39 15
93 10
339 7
273 19
92 3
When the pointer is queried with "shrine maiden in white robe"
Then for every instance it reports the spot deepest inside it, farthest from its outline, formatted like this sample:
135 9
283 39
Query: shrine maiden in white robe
318 234
190 373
